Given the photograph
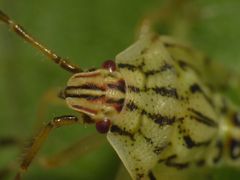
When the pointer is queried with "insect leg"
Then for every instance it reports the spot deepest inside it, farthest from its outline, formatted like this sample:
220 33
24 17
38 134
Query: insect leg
174 17
90 143
49 98
41 137
47 52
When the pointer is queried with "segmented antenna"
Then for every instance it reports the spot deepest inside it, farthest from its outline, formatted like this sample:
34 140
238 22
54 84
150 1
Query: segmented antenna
47 52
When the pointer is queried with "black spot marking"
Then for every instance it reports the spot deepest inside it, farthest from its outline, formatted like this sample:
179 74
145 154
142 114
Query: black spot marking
151 176
195 88
160 119
164 91
182 64
202 118
159 149
131 106
191 143
234 148
122 132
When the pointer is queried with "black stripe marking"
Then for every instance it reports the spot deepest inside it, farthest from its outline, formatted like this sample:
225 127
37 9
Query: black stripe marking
191 143
202 118
122 132
128 66
84 96
170 163
164 91
159 119
120 85
175 45
151 176
184 65
85 86
134 89
195 88
165 67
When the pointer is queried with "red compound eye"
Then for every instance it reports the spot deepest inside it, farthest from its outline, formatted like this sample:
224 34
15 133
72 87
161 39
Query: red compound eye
103 126
110 65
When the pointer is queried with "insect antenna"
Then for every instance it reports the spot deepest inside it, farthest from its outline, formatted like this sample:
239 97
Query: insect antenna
47 52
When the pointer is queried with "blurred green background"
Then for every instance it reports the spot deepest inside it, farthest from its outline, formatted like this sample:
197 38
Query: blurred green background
87 32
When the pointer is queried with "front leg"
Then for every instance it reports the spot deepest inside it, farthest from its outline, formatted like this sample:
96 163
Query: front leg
40 139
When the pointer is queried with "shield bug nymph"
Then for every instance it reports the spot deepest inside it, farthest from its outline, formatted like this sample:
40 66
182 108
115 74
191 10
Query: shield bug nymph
163 116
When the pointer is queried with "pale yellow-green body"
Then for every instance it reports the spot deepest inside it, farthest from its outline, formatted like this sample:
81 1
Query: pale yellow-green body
143 144
160 106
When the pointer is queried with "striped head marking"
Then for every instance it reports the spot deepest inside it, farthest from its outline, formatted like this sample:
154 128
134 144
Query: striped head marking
100 94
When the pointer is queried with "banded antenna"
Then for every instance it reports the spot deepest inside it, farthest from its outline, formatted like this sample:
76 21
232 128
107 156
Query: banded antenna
19 30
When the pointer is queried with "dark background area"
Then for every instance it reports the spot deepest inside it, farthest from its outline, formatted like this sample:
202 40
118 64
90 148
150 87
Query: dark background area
87 32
